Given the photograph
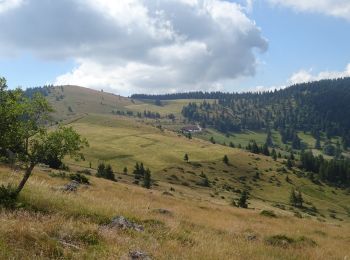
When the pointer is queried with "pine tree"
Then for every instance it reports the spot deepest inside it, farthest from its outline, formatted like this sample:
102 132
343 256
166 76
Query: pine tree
125 170
136 172
293 198
300 199
142 171
100 170
242 202
274 154
226 160
232 145
265 150
186 158
318 143
289 163
269 141
147 179
292 157
212 140
109 173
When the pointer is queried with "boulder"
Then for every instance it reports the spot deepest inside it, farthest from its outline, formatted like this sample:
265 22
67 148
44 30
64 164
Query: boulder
123 223
71 187
138 255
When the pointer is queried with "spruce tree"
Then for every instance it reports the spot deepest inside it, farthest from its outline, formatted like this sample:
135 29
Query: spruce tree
147 179
212 140
318 143
136 172
265 150
293 198
274 154
300 199
243 200
125 170
109 173
100 170
186 159
226 160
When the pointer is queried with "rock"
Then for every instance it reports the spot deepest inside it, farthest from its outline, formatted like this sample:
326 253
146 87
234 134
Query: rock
71 187
121 222
163 211
138 255
251 237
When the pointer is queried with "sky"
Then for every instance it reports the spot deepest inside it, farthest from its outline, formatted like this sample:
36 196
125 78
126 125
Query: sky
166 46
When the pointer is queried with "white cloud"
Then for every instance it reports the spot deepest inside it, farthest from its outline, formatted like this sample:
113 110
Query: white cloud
6 5
307 76
137 45
336 8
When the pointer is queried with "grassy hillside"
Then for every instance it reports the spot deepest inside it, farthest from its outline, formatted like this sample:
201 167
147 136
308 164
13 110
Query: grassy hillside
58 225
196 221
71 101
122 142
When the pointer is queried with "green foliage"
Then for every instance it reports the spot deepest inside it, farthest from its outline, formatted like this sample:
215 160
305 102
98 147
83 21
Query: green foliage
140 173
125 170
296 198
8 196
243 200
268 213
186 158
105 171
335 171
79 178
205 181
225 160
285 241
212 140
147 179
52 147
23 132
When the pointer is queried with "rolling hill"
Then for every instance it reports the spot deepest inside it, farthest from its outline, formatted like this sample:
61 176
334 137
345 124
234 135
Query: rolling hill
188 213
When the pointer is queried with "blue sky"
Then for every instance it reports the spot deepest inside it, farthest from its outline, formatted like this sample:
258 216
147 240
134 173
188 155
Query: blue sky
175 49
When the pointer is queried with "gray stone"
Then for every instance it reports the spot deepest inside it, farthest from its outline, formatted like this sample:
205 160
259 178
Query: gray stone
138 255
71 187
121 222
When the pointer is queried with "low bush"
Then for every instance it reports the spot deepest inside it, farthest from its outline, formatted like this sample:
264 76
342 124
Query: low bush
268 213
285 241
8 196
79 178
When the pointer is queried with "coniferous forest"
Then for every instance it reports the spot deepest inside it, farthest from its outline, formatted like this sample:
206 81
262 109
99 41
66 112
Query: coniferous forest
321 106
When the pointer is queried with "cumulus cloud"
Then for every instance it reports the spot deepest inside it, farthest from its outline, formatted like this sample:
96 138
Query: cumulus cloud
307 75
336 8
6 5
136 45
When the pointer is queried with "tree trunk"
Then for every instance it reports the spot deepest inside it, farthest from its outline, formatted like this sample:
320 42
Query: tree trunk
26 176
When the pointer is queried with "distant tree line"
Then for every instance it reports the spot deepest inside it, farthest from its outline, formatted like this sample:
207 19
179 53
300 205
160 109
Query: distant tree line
336 171
318 107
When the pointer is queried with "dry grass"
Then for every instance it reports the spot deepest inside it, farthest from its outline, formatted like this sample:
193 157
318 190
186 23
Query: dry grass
57 225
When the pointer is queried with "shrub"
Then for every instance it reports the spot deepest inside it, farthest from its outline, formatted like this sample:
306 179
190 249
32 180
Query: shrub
285 241
85 171
8 196
79 178
280 240
268 213
106 172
